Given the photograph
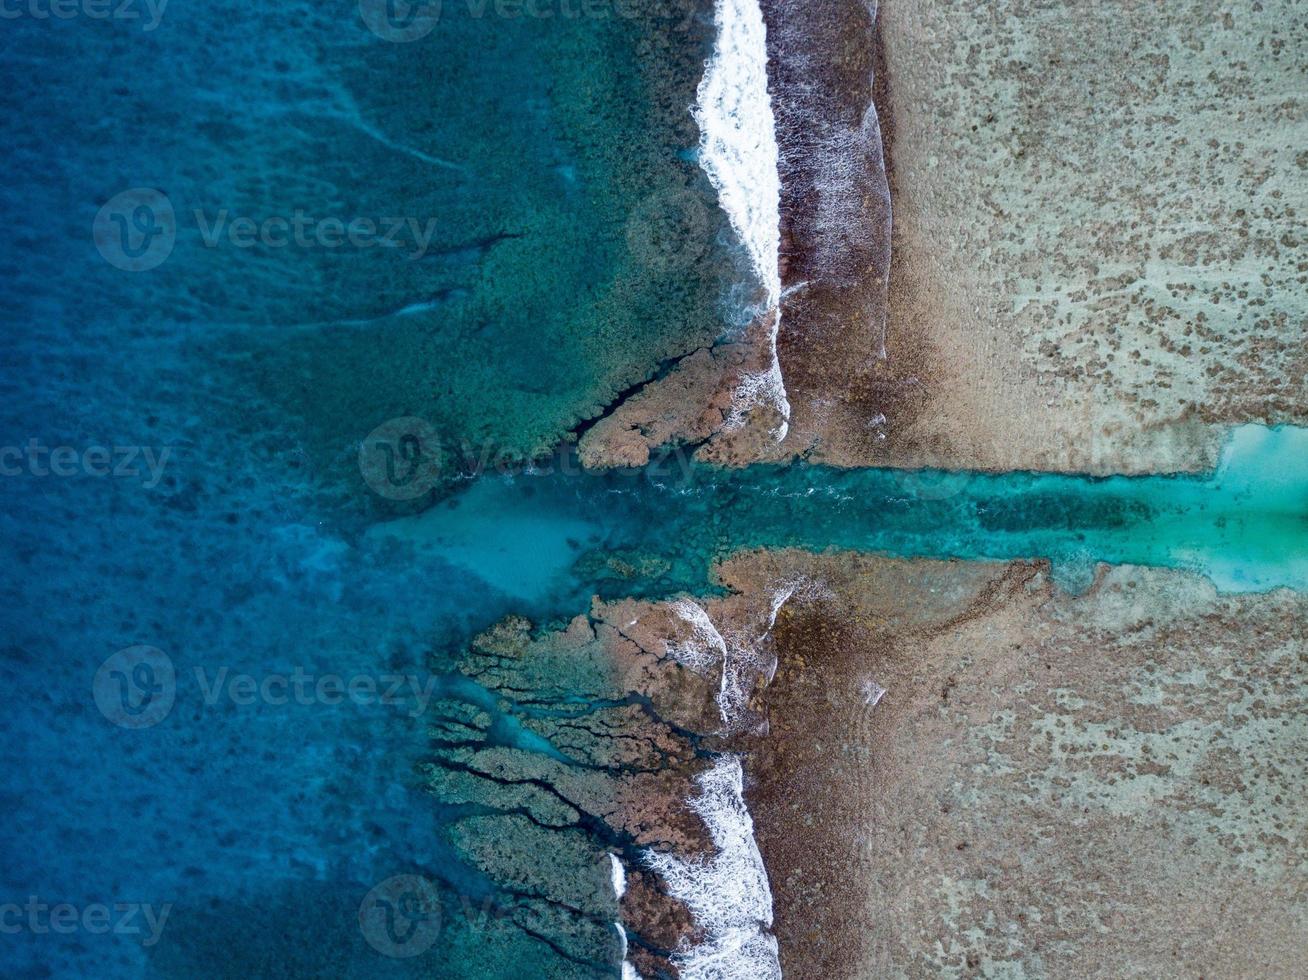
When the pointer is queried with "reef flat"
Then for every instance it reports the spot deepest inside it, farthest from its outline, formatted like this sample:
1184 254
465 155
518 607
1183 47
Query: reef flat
951 768
1097 261
762 654
1100 231
970 772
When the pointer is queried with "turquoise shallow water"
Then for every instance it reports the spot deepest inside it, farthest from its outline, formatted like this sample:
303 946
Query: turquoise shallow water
549 539
546 539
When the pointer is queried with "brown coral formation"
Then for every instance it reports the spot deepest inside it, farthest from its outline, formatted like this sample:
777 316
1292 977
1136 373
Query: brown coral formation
685 408
697 407
583 743
576 744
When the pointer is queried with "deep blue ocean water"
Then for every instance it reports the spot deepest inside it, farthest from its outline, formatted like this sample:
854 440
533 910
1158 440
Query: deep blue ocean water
243 236
181 424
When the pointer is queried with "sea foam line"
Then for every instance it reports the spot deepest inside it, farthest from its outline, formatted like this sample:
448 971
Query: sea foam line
739 152
707 649
619 877
727 894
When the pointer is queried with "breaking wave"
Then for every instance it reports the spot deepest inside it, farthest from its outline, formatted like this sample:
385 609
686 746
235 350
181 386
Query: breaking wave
738 151
736 658
618 875
705 648
727 894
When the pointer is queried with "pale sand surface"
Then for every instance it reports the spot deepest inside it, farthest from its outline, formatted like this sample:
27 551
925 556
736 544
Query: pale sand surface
1108 785
1099 265
1101 216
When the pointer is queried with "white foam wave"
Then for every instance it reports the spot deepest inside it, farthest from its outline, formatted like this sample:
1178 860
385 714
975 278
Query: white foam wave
707 649
727 894
763 388
628 971
802 586
738 151
619 876
780 596
871 692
